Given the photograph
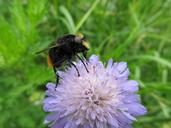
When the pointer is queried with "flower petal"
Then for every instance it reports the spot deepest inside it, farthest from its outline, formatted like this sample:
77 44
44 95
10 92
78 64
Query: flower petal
136 109
51 117
94 58
50 86
130 86
121 66
60 123
110 64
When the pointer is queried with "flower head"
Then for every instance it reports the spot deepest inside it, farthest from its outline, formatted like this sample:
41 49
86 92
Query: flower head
102 98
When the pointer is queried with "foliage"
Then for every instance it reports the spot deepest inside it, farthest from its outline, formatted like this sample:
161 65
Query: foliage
135 31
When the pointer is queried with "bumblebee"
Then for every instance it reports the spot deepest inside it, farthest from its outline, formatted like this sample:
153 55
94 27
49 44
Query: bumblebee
65 49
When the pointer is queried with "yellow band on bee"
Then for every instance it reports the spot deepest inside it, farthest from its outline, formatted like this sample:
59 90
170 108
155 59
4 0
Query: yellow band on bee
86 44
80 35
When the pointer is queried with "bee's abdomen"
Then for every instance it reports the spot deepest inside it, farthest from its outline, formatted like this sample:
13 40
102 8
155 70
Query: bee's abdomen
56 57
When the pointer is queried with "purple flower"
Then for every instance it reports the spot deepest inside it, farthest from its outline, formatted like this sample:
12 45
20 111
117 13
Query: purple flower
102 98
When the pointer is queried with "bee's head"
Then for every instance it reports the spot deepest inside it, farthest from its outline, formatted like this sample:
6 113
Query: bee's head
79 38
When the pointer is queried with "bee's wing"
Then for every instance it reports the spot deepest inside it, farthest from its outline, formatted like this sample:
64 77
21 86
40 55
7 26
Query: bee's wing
56 45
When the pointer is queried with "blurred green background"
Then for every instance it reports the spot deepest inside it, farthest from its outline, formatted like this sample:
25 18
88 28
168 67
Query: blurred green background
135 31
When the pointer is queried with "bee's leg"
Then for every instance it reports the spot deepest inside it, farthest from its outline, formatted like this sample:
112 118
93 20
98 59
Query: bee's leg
57 76
71 63
85 56
82 62
57 79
